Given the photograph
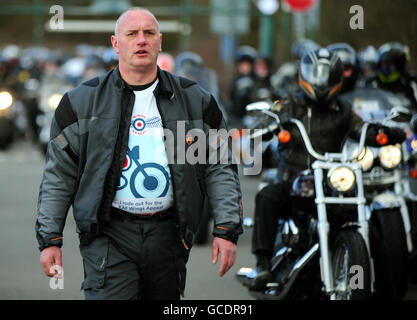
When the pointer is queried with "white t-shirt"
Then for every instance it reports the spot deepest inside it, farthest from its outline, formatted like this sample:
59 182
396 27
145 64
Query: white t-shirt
145 183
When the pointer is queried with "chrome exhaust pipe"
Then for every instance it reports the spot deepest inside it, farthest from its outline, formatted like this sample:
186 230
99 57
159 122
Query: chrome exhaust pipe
274 292
279 256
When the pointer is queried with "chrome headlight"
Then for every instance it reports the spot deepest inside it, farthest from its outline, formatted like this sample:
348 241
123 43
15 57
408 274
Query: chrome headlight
6 100
366 158
53 100
341 179
390 156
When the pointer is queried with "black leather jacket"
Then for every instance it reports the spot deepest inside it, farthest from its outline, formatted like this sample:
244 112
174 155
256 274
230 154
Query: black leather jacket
88 146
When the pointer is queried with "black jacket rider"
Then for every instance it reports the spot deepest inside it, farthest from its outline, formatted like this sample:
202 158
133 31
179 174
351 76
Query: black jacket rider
327 126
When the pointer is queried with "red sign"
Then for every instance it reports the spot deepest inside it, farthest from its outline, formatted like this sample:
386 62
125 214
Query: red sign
300 5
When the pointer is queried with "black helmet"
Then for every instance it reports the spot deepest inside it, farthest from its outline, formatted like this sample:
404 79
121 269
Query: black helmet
392 61
246 53
320 75
188 59
302 46
350 64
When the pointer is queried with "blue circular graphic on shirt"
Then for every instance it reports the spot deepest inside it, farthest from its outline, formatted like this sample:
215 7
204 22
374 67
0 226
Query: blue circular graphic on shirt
152 182
139 124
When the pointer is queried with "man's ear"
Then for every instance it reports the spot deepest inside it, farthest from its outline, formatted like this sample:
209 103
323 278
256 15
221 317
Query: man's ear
114 43
160 42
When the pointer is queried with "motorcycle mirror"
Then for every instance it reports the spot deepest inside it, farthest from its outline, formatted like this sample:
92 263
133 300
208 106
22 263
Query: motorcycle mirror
258 106
400 114
413 123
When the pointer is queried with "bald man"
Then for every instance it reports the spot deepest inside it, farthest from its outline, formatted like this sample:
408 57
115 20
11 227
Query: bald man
136 211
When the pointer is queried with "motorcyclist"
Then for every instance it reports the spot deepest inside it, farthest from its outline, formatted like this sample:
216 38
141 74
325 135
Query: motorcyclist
328 120
190 65
392 74
367 57
350 65
241 91
263 88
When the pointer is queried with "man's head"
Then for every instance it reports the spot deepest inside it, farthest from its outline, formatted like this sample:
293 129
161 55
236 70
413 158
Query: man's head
137 41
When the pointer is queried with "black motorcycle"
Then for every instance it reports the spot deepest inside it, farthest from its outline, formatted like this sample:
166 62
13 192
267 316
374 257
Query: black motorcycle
331 258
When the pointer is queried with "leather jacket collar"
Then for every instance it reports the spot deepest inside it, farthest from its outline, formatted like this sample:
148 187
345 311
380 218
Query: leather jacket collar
164 86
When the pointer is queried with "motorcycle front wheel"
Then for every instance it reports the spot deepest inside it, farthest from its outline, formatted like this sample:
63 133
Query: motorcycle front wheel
351 268
394 245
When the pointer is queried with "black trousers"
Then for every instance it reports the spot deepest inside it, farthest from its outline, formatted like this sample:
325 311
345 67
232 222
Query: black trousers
132 260
271 203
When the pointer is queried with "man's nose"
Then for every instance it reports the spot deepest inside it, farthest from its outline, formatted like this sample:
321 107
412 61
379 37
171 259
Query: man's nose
141 39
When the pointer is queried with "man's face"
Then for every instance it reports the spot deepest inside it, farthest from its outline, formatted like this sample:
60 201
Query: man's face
138 41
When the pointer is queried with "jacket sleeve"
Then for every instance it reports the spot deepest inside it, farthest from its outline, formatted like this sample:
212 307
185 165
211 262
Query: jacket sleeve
59 177
221 177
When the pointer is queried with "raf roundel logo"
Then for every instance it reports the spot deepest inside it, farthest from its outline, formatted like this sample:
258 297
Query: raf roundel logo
139 124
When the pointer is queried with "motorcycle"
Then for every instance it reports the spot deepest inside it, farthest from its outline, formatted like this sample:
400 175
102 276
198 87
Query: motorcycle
332 259
388 183
7 114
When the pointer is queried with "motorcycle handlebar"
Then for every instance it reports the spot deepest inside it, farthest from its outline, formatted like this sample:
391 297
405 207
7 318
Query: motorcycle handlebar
307 140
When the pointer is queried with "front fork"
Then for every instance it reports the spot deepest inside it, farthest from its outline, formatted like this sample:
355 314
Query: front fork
402 190
323 228
323 232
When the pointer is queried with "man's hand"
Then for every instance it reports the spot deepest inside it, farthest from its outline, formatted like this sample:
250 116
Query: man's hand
49 257
227 250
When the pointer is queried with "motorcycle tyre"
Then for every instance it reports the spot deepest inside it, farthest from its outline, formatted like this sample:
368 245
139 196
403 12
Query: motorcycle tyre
352 241
391 227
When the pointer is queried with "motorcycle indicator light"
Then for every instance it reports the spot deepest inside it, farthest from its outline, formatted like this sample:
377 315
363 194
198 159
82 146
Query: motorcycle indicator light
341 179
382 138
390 156
284 136
413 173
6 100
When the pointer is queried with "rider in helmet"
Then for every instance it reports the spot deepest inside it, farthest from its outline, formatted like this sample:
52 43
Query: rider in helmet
242 86
392 72
328 120
350 65
367 64
190 65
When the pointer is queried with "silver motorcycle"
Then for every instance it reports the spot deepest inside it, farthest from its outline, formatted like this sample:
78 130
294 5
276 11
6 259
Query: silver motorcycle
388 188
